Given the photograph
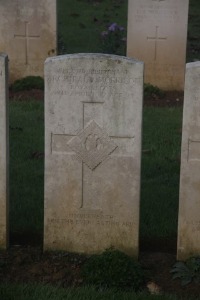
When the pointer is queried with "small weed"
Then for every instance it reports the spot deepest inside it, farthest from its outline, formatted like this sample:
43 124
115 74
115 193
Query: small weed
113 39
187 271
113 269
28 83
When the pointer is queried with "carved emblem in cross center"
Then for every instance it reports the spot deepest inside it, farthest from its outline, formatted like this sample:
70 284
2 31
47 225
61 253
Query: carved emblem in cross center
92 145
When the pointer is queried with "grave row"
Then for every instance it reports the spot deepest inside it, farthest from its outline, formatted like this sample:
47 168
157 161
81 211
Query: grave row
157 35
93 116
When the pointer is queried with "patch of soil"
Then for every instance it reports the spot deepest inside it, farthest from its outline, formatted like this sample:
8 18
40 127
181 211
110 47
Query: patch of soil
27 264
164 244
171 98
159 266
27 95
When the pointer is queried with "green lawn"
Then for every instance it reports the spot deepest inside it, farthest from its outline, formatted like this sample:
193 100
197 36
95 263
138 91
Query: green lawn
193 49
80 23
36 292
160 169
26 166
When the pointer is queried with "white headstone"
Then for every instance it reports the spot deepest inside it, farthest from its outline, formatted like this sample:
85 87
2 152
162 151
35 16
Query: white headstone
189 206
3 151
93 114
27 35
157 35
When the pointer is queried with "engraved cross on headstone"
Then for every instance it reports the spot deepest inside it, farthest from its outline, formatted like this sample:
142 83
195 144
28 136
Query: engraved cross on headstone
92 145
26 36
156 39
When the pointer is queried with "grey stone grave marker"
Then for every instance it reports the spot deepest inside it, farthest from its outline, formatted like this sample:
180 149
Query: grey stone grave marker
189 206
93 115
157 35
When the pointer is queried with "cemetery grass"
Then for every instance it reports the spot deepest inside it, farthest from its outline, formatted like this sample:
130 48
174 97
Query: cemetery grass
26 172
193 45
35 292
26 263
86 19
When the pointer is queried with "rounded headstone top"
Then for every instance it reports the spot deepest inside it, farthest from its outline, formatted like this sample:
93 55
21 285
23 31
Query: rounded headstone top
93 56
193 64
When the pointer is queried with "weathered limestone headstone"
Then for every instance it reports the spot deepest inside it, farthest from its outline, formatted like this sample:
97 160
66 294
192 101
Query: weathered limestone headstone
189 206
27 35
3 151
93 112
157 35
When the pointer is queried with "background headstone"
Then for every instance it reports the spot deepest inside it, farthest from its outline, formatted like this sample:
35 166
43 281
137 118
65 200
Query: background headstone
3 151
189 206
27 35
93 114
157 35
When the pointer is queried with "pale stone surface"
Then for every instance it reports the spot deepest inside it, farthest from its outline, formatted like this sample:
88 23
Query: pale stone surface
93 113
27 35
3 151
157 35
189 206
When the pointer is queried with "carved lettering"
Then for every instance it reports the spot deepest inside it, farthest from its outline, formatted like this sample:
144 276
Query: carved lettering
91 222
89 71
83 80
166 11
85 85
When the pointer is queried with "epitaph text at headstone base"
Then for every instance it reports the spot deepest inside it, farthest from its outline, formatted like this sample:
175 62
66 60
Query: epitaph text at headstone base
28 35
157 35
93 112
3 151
189 206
